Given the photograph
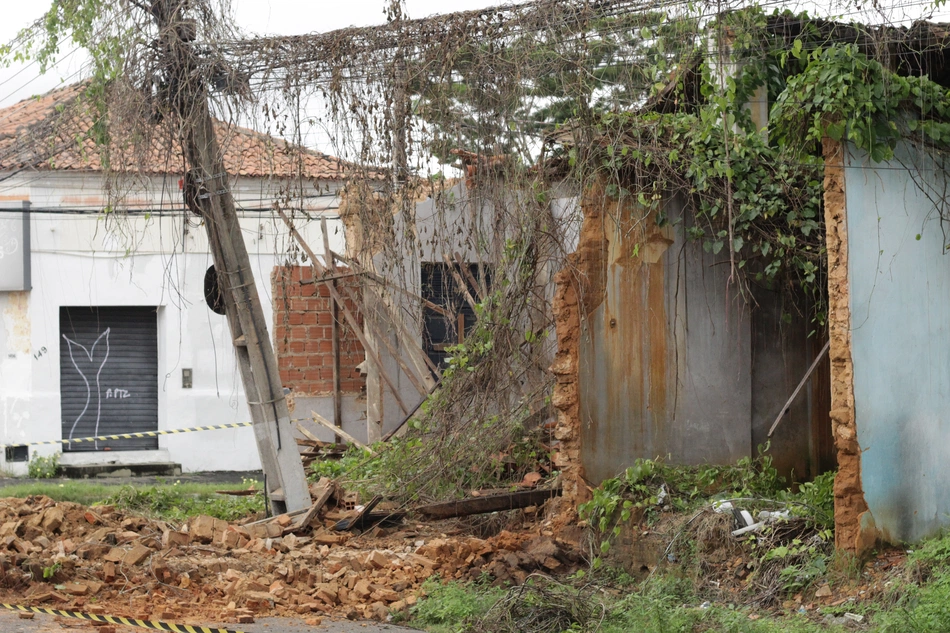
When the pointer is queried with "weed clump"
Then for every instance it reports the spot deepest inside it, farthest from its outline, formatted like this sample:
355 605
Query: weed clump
178 503
544 605
41 467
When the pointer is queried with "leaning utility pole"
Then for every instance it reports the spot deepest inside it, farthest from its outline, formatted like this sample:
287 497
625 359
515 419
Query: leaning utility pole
207 192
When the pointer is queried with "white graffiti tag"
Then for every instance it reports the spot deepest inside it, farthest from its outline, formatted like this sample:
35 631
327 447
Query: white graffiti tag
90 354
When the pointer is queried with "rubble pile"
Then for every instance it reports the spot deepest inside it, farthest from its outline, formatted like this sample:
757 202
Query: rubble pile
99 559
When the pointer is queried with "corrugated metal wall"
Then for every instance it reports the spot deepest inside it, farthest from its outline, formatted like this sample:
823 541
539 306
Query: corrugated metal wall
109 375
674 364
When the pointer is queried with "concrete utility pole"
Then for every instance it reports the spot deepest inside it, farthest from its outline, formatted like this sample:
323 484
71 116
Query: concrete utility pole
207 192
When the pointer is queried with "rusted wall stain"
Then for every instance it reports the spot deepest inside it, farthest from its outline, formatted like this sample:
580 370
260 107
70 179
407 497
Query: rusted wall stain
664 361
655 352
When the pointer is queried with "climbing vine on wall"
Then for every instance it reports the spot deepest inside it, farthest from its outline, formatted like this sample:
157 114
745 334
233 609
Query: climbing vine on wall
756 193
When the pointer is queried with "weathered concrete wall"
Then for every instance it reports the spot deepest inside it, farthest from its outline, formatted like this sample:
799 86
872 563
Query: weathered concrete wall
899 283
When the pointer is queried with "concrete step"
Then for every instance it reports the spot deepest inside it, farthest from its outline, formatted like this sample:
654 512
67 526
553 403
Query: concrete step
88 471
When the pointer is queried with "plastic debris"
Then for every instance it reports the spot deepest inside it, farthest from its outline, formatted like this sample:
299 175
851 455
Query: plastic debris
722 507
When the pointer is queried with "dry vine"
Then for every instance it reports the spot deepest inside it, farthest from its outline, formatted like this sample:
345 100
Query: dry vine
531 105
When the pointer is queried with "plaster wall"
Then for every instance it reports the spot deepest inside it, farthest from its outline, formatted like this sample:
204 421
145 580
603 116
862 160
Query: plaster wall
453 220
899 279
133 260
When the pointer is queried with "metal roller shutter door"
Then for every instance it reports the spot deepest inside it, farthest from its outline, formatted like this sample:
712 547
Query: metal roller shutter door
109 375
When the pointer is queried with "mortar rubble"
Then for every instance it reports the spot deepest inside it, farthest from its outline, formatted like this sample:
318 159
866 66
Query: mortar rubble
66 556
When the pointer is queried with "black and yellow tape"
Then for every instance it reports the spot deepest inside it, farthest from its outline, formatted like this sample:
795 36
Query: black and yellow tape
154 625
129 436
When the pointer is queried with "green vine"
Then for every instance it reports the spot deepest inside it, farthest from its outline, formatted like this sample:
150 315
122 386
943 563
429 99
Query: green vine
756 191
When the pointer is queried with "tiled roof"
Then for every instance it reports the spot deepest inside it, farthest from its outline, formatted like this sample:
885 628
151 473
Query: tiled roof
52 132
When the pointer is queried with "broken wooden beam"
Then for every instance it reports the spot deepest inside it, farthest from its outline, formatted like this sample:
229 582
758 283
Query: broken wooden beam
319 419
359 521
483 505
462 286
304 520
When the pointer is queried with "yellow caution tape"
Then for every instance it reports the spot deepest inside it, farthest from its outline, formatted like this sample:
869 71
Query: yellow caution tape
129 436
155 625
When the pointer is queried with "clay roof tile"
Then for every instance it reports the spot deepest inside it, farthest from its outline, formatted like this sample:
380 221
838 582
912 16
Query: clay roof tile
52 131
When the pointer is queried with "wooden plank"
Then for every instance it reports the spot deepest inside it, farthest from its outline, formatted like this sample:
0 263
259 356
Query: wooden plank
305 431
358 520
463 287
354 324
801 384
304 520
394 353
319 419
295 513
468 275
483 505
335 329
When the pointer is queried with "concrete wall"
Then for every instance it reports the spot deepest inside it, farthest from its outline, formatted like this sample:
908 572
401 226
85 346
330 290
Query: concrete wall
91 260
899 278
454 220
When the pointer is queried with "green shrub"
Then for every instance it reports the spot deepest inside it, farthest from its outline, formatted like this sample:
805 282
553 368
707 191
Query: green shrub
819 497
41 467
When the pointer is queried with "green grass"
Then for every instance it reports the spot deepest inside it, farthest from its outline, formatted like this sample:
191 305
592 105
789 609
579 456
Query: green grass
170 502
450 606
668 604
68 490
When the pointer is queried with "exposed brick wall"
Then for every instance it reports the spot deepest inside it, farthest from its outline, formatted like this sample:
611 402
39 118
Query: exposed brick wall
853 530
579 290
303 334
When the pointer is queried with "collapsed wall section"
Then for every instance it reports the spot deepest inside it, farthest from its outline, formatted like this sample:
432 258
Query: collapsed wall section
303 333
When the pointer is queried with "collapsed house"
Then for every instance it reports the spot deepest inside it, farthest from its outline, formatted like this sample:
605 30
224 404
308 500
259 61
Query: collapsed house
663 352
671 343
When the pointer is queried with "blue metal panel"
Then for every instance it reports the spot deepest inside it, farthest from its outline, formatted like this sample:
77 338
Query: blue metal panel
899 280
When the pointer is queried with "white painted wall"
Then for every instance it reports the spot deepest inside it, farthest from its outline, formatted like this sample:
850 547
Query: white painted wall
92 259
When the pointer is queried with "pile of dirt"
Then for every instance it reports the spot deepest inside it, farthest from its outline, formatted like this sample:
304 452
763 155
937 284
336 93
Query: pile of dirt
100 559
